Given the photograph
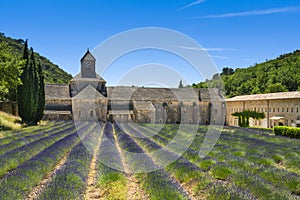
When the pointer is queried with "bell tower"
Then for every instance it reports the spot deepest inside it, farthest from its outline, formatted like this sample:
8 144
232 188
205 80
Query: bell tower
88 63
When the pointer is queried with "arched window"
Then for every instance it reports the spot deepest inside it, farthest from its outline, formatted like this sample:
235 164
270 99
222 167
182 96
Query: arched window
91 113
165 104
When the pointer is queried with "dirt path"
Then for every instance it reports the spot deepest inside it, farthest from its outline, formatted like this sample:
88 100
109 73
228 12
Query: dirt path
92 192
38 189
134 191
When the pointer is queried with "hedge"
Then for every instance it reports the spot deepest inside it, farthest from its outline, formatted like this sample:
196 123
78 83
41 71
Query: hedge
287 131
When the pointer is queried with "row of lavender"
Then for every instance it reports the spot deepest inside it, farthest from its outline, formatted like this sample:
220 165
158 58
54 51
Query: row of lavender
70 181
189 169
16 156
158 184
38 159
246 161
16 134
27 138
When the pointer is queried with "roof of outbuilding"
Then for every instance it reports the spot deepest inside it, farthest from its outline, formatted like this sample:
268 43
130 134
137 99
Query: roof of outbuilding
143 105
57 91
269 96
162 94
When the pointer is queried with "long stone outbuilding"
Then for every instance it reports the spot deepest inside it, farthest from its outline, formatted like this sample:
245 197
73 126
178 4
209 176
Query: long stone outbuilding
280 109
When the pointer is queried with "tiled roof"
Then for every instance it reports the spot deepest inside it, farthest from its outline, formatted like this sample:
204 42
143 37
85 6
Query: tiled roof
143 105
162 94
57 91
78 77
269 96
89 93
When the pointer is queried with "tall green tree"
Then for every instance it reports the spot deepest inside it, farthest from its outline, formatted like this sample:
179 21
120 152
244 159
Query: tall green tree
34 87
31 91
22 94
41 94
10 70
31 94
276 87
245 115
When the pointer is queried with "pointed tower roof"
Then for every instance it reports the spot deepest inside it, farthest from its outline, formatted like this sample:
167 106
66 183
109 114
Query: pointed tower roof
88 55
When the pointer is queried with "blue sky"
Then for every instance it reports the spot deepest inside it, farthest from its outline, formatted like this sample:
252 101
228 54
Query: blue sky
235 33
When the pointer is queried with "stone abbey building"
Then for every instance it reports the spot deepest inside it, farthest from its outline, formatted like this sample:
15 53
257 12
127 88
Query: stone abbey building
88 98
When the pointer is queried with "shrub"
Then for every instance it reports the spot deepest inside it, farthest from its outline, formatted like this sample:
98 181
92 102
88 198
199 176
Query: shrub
286 131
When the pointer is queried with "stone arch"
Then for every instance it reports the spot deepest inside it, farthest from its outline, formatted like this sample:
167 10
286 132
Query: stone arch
91 113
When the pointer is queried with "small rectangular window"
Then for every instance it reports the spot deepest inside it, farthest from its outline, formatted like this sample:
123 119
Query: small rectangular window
287 109
282 109
273 109
297 109
292 109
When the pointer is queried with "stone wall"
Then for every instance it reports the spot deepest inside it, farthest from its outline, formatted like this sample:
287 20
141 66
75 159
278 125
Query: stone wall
57 115
89 110
9 107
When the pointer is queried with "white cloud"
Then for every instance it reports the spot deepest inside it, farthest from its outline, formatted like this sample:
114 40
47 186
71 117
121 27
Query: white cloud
255 12
207 49
219 49
192 4
220 57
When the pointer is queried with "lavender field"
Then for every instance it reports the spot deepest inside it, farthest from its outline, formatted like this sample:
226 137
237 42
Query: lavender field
64 161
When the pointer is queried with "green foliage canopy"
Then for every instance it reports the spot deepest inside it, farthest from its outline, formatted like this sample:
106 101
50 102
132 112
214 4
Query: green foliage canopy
31 94
245 115
10 70
279 75
51 72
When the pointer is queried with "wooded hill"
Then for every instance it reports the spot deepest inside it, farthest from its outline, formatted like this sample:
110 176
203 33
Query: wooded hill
278 75
52 73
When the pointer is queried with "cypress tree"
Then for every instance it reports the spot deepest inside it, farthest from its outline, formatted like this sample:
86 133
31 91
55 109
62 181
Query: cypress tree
31 94
21 91
41 94
31 90
180 84
26 93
